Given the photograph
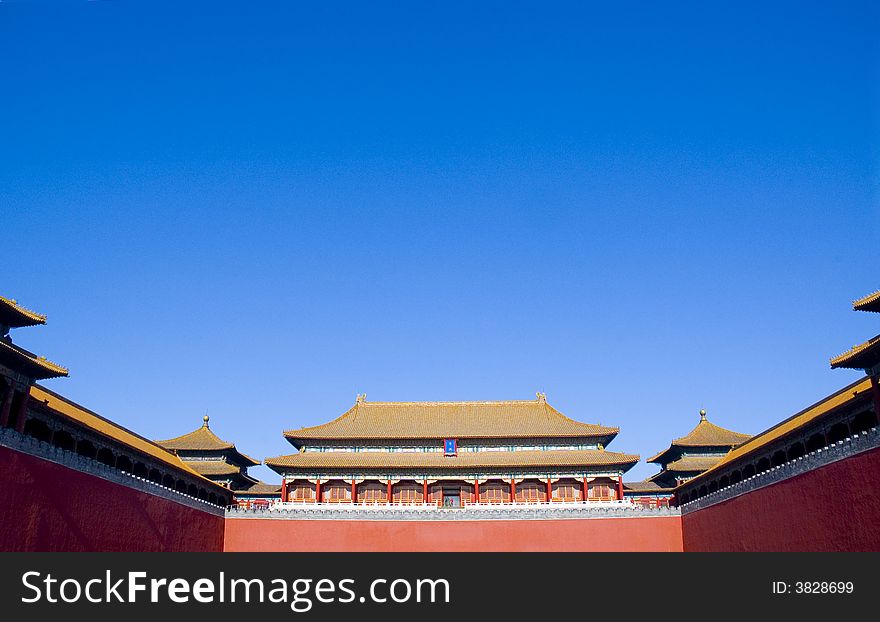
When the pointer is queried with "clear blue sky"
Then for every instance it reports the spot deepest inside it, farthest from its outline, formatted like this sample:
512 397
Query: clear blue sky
262 209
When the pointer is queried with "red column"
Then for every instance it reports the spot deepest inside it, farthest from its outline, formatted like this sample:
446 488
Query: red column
22 411
875 387
354 491
512 490
7 406
390 495
318 491
549 490
586 492
425 491
284 489
476 491
620 487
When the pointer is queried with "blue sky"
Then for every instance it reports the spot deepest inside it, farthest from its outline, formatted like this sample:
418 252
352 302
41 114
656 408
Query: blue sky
261 210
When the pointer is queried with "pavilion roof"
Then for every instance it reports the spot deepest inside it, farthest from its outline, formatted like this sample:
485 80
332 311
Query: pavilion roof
691 464
843 398
871 302
28 363
15 316
436 460
203 439
107 428
213 467
260 488
438 420
705 434
862 356
645 486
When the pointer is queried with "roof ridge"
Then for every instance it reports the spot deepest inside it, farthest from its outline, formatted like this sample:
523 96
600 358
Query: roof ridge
410 403
441 419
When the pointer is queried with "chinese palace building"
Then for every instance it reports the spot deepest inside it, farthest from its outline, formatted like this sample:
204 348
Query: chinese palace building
452 454
219 461
696 452
19 369
74 480
835 428
866 356
43 423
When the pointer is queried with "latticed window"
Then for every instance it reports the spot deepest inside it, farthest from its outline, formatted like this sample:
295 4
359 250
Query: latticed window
336 492
567 490
494 492
374 492
408 493
602 491
302 491
531 492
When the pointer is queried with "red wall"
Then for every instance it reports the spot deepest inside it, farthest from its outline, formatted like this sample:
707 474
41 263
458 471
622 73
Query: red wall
49 507
662 533
834 508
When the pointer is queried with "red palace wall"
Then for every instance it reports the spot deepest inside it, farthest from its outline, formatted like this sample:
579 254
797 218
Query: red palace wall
662 533
833 508
49 507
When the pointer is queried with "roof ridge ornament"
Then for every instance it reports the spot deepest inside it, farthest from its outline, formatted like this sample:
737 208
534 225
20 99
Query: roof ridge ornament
206 418
542 397
703 414
361 398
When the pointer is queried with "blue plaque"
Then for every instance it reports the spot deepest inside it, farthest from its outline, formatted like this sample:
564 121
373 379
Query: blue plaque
450 447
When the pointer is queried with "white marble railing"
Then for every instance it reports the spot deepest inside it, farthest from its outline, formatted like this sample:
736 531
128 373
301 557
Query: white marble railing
469 511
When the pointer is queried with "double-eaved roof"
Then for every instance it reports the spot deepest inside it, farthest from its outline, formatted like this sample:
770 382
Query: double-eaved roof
865 355
204 441
370 424
437 420
705 435
13 315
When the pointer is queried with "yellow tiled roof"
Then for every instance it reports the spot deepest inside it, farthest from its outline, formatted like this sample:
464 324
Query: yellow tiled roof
203 439
843 397
502 419
14 315
109 429
862 356
689 464
645 486
466 459
705 434
871 302
36 367
212 467
260 488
